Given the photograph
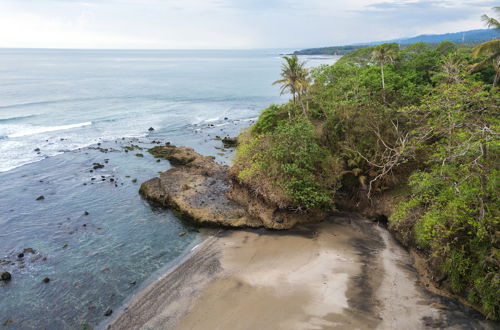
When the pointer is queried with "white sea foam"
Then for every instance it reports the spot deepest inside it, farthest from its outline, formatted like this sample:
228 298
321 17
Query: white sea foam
44 129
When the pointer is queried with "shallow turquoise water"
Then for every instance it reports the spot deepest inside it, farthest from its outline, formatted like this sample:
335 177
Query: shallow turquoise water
64 103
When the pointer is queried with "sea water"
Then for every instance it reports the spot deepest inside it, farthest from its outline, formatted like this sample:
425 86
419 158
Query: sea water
92 235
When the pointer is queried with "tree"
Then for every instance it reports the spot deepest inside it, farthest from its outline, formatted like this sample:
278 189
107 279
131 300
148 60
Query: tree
382 55
490 49
294 79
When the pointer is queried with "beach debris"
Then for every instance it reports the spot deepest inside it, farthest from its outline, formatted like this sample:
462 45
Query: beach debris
108 312
182 233
5 276
97 166
46 280
40 198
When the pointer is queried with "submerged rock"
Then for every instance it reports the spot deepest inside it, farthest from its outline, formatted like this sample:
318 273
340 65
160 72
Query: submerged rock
201 190
5 276
229 142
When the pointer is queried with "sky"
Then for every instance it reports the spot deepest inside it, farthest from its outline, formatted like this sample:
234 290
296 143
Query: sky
228 24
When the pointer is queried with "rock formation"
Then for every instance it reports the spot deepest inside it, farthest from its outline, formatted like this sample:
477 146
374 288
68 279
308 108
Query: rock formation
201 190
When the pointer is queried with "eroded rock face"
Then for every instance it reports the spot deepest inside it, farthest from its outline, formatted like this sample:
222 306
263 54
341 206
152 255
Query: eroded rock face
201 189
197 189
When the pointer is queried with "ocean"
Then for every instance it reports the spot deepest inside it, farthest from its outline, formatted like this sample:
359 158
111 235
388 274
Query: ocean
64 111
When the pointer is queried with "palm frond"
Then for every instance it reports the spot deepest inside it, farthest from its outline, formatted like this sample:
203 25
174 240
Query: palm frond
486 48
490 60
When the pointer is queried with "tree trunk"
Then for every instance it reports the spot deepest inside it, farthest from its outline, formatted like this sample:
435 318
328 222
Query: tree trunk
383 78
303 107
383 81
497 75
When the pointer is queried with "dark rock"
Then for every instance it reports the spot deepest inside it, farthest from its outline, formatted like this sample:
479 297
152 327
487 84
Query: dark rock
108 312
279 220
139 155
151 129
158 160
133 283
5 276
97 166
37 150
134 180
20 255
29 250
40 198
46 280
229 142
86 213
65 246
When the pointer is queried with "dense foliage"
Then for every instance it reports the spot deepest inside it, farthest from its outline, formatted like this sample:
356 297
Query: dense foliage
423 120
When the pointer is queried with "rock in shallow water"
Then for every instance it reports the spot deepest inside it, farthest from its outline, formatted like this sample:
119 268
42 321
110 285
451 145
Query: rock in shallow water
5 276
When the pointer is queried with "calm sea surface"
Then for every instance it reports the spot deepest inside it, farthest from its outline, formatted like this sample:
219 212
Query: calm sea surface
62 111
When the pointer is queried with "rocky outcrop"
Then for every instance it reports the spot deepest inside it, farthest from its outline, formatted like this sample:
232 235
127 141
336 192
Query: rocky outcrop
200 189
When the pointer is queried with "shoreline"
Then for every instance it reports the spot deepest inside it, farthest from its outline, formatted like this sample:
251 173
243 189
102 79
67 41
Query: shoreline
205 235
345 272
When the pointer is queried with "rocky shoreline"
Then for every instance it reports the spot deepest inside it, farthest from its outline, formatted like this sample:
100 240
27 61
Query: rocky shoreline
203 191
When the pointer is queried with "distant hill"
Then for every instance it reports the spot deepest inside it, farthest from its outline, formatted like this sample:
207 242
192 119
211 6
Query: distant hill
466 37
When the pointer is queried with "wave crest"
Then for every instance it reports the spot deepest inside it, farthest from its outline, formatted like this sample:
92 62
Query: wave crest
45 129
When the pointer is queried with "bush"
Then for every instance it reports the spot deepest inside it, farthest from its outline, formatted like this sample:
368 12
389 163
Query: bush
288 166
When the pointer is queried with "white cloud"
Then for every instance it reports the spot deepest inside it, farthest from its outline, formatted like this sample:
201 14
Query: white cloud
226 23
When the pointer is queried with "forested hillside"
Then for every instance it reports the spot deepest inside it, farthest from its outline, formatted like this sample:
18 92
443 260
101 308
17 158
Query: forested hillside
418 127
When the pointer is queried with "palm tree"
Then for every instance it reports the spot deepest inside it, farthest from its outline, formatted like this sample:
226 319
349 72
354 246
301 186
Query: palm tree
294 79
490 49
382 55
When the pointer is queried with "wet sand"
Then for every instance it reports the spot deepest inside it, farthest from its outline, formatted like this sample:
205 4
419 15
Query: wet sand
344 273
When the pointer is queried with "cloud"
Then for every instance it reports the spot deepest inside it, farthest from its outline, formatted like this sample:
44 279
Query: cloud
227 23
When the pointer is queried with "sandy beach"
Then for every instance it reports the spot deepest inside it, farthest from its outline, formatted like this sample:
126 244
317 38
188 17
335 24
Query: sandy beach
343 273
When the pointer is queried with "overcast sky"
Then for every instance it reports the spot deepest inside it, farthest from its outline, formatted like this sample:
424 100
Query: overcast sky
218 24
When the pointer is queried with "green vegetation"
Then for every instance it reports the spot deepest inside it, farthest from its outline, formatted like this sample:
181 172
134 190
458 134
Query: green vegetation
420 120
